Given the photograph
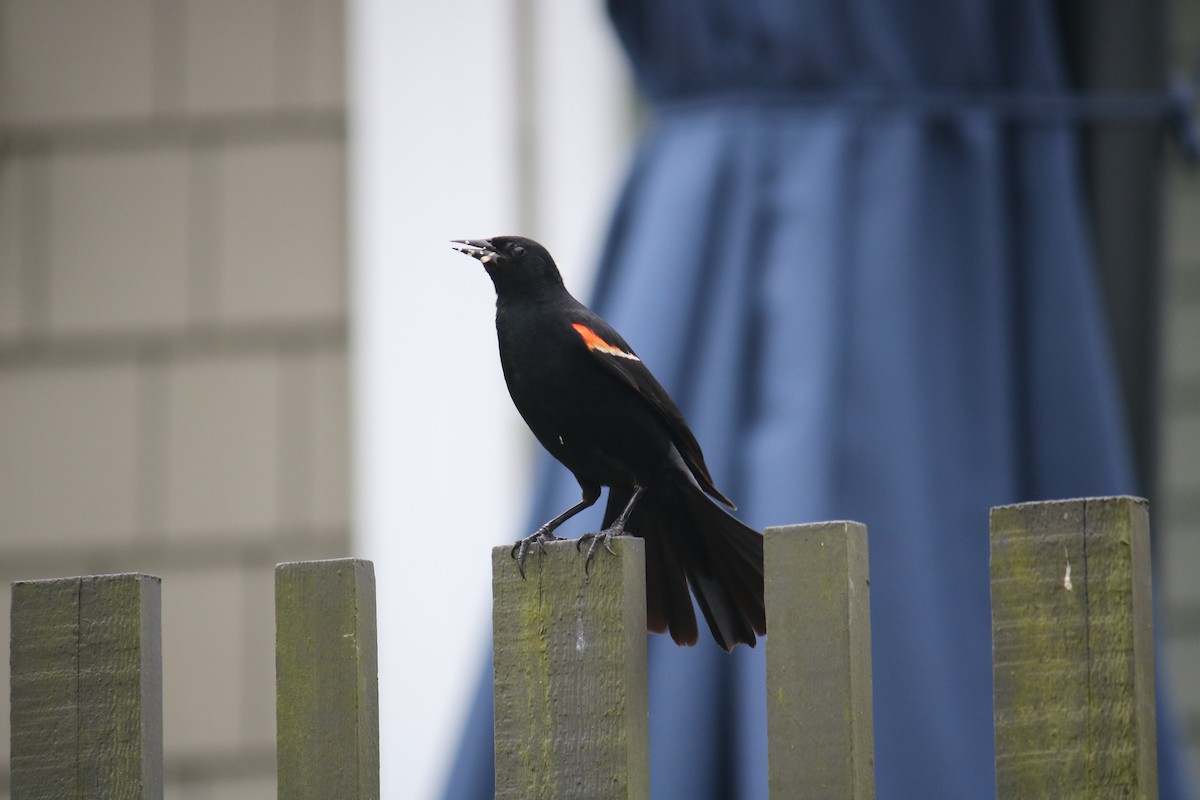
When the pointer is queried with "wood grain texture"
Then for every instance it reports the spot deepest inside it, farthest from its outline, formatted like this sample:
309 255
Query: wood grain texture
1073 649
327 690
819 712
87 687
570 674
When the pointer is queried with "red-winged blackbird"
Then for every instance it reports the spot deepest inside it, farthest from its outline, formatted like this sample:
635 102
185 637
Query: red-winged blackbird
594 405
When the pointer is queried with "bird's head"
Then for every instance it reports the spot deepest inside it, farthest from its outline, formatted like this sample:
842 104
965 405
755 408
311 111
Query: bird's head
514 263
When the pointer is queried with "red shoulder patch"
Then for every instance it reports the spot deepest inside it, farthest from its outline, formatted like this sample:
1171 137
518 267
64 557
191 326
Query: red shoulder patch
595 342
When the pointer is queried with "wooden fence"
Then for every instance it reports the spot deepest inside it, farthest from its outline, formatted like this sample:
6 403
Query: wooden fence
1072 645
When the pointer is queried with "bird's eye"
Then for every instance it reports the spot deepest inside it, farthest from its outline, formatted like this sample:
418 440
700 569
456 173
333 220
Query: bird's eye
517 251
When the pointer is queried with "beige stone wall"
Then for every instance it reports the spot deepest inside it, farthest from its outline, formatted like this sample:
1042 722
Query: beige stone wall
1178 521
173 377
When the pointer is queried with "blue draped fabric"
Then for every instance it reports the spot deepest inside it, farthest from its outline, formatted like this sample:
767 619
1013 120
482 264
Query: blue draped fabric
869 311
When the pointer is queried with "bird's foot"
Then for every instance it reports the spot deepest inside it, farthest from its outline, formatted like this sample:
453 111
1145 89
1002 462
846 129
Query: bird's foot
603 537
522 547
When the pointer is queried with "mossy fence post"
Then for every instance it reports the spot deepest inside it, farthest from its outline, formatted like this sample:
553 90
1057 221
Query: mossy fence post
819 712
570 668
86 688
1073 649
326 676
570 673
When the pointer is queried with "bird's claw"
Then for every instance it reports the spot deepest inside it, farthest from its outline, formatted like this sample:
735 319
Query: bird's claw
604 537
522 547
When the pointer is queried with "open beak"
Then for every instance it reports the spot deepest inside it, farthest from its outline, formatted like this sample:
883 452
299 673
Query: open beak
476 248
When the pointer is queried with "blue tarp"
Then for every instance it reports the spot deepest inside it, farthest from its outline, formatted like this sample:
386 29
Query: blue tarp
872 293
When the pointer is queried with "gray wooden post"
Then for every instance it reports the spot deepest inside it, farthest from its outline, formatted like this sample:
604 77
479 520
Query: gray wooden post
570 674
87 687
327 691
820 739
1073 649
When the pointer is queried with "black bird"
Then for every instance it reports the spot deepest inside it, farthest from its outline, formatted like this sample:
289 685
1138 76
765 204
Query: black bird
594 405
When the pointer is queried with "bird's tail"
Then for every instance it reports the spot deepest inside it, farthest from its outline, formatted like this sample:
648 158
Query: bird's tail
691 541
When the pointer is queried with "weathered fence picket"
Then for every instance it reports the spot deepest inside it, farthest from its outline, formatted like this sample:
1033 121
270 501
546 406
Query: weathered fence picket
86 687
570 674
1073 649
820 742
326 678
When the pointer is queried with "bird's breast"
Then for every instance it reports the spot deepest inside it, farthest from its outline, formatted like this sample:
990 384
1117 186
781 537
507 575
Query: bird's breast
593 423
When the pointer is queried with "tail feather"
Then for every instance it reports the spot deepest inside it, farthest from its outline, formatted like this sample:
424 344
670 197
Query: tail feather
668 601
725 619
691 541
739 550
736 553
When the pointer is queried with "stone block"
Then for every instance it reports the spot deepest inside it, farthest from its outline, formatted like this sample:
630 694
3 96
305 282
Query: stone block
203 653
229 54
282 254
312 54
223 446
118 255
69 455
66 61
331 467
243 788
258 665
12 246
329 53
316 431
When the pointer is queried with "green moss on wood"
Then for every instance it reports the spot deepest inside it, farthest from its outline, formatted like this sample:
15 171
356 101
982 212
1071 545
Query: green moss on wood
327 702
87 687
568 687
819 713
1073 662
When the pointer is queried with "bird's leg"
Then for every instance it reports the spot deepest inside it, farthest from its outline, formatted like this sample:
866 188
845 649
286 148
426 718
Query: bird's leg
546 533
605 536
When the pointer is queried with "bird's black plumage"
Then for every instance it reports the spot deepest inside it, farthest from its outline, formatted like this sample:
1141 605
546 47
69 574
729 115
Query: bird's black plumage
595 407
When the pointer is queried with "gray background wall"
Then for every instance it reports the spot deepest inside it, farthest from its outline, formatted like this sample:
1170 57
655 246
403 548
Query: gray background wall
173 348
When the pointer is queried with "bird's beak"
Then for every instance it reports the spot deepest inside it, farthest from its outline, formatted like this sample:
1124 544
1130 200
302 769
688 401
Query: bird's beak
476 248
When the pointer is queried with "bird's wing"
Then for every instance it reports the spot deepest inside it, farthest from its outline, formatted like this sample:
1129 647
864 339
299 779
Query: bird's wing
609 349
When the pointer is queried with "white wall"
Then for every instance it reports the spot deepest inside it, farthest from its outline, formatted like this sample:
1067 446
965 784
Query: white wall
438 99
